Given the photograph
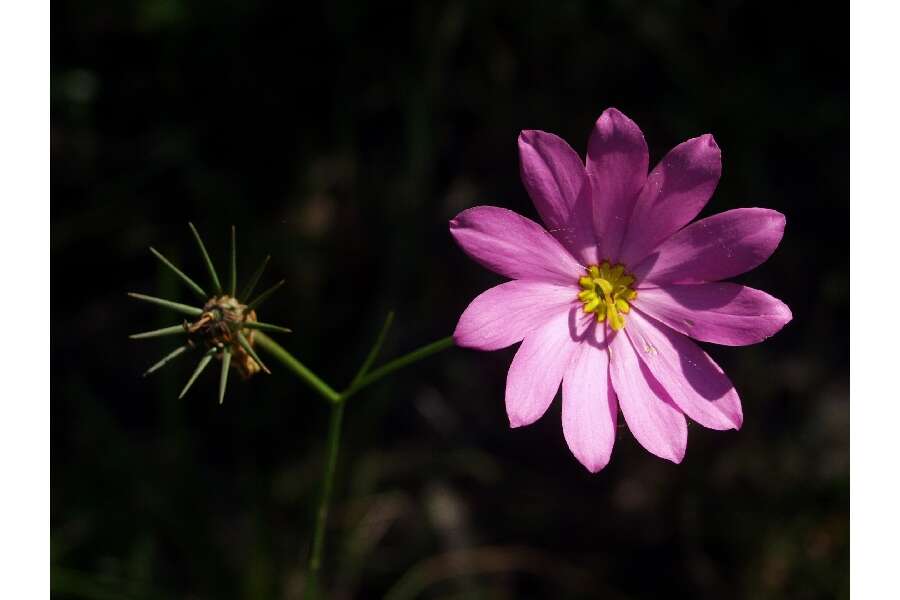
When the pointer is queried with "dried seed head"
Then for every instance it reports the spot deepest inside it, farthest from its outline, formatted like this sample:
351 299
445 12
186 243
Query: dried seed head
224 328
217 327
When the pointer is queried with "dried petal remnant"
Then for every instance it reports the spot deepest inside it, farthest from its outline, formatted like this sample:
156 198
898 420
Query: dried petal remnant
222 319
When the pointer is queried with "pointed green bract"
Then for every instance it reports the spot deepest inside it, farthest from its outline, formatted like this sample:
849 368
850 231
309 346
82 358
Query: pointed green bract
233 270
217 286
398 363
173 330
251 285
182 308
223 378
190 282
376 349
200 367
265 327
167 358
245 344
264 296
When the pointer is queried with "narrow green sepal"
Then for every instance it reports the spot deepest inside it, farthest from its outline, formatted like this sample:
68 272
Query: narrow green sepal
190 282
200 367
173 330
192 311
265 327
251 285
245 344
264 296
233 269
223 378
166 359
217 286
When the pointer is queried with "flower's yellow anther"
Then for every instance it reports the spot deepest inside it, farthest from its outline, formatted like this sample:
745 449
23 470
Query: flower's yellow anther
604 285
616 321
606 292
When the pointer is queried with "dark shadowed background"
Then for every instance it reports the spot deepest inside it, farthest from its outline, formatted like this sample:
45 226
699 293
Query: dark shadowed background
340 137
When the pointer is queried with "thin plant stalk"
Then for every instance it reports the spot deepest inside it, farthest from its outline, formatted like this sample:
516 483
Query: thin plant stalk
335 420
363 379
296 367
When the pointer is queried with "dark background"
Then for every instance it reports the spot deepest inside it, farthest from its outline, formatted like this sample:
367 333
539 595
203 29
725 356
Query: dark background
340 137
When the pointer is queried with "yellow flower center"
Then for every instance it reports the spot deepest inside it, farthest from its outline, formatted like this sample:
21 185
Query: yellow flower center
606 291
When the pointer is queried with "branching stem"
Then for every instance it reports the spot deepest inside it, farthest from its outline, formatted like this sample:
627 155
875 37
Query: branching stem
363 379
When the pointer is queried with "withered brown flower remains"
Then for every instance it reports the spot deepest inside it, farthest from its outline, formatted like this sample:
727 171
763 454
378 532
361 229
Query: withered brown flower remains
224 327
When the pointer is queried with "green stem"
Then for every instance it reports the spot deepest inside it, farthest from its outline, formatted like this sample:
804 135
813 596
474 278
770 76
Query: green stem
335 420
298 368
373 353
399 363
363 379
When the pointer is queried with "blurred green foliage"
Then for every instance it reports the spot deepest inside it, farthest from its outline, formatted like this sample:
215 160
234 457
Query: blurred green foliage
340 138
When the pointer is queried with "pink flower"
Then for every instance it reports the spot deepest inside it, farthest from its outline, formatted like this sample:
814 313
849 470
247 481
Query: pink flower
606 298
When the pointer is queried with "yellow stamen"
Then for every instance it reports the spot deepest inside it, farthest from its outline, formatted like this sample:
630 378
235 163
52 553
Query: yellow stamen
616 321
604 285
606 292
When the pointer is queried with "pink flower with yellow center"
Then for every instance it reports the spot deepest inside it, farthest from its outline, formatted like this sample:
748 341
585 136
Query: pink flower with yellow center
606 298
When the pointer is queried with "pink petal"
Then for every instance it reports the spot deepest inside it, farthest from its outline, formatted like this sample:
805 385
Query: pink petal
511 245
589 407
656 423
718 247
581 324
721 313
555 178
537 369
505 314
617 168
692 380
675 191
